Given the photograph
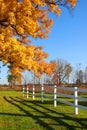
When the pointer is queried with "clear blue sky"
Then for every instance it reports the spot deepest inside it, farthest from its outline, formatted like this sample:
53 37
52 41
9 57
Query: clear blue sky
68 37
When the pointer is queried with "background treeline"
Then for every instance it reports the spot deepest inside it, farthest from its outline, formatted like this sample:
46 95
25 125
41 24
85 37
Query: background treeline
67 75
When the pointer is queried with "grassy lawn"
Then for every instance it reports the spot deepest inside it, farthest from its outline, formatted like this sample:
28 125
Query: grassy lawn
18 113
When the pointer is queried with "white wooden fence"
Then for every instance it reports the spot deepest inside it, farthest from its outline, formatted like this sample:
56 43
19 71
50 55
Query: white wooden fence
55 96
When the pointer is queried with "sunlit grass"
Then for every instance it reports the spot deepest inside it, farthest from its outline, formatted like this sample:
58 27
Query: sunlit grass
18 113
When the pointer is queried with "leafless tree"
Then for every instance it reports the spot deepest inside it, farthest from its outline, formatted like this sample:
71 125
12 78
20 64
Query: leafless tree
85 75
63 70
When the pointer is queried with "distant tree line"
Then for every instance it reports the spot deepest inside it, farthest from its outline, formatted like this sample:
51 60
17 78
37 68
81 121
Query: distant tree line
65 73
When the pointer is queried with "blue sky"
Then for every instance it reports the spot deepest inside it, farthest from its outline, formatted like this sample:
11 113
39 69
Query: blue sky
68 38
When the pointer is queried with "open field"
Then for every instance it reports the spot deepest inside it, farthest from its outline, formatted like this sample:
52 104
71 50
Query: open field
18 113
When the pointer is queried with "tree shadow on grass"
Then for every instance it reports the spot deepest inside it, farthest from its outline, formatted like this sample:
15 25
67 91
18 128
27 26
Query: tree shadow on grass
42 114
83 103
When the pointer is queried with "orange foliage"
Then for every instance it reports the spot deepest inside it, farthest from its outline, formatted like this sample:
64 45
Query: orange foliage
20 20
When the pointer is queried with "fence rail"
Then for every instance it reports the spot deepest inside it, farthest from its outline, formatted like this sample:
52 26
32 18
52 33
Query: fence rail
55 94
66 95
82 90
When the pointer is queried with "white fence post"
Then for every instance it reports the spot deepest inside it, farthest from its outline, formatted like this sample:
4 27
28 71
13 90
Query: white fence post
23 91
27 92
55 96
42 93
33 92
75 100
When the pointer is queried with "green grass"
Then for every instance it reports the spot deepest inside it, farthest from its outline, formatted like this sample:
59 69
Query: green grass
18 113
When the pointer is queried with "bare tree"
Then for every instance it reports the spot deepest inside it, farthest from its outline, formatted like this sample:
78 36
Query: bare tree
79 74
85 75
79 77
63 70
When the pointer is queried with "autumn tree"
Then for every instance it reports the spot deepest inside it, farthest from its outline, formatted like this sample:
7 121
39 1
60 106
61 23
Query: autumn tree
11 80
79 77
19 21
63 70
85 75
